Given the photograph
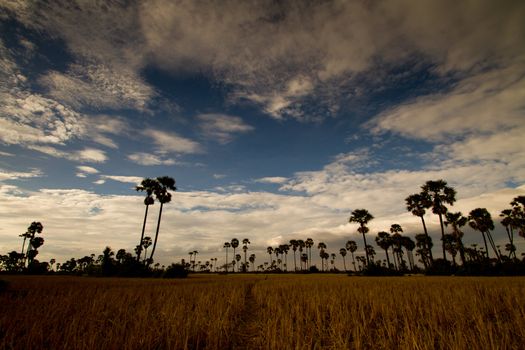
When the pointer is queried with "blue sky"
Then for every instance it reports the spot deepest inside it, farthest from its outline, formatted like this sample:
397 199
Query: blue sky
276 119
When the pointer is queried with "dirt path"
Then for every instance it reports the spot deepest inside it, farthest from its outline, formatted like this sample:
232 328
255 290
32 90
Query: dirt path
246 333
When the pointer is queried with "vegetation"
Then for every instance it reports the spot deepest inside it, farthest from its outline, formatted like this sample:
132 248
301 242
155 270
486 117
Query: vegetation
257 311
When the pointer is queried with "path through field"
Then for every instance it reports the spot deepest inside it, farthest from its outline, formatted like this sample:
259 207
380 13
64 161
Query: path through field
246 334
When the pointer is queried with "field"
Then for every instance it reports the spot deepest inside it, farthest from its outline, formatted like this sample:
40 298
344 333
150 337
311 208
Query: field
259 311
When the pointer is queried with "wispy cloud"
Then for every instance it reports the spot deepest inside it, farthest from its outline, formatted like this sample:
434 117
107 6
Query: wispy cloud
170 142
126 179
221 127
272 180
148 159
89 155
14 175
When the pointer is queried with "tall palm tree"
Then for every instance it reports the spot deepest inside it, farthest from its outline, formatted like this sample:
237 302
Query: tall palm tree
284 249
226 246
362 217
342 251
440 194
321 246
270 252
384 241
294 244
509 221
480 220
252 261
163 195
302 246
34 228
309 243
409 245
518 212
304 260
397 241
194 258
149 186
457 221
235 244
238 258
417 205
351 246
245 243
424 245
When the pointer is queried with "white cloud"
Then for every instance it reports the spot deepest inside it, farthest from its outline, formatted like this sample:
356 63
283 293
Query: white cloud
221 127
483 103
126 179
148 159
6 154
90 155
170 142
99 182
87 169
14 175
99 86
272 180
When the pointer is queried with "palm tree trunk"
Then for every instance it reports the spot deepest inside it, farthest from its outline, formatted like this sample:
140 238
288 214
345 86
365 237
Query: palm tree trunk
294 263
366 245
387 258
428 237
142 235
226 266
486 246
156 236
442 236
344 262
493 245
353 261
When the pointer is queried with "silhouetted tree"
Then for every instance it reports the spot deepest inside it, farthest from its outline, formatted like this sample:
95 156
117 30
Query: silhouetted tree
351 246
342 251
294 244
440 194
480 220
321 246
456 221
226 246
163 195
149 186
417 205
245 243
362 217
384 241
309 243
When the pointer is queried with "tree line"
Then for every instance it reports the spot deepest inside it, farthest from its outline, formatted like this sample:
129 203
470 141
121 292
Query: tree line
400 249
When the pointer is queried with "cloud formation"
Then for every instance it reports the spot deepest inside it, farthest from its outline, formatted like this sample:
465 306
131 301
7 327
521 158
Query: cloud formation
221 127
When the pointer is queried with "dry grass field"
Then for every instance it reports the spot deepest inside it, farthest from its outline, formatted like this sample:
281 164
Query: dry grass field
266 312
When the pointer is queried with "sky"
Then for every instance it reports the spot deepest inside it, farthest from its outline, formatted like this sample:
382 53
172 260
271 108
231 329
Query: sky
276 118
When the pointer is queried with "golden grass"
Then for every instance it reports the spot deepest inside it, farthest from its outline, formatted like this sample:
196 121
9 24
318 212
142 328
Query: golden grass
268 312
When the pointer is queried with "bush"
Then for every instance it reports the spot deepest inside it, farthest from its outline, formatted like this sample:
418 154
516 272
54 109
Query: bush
176 271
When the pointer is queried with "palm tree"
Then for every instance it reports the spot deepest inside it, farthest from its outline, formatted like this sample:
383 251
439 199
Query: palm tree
304 260
509 221
397 240
34 228
238 258
362 217
409 245
226 245
270 252
456 221
235 244
424 245
518 212
333 256
245 243
166 184
146 243
451 246
417 205
321 246
284 249
309 243
294 244
194 258
351 246
342 251
480 220
440 194
149 186
384 241
252 261
302 246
